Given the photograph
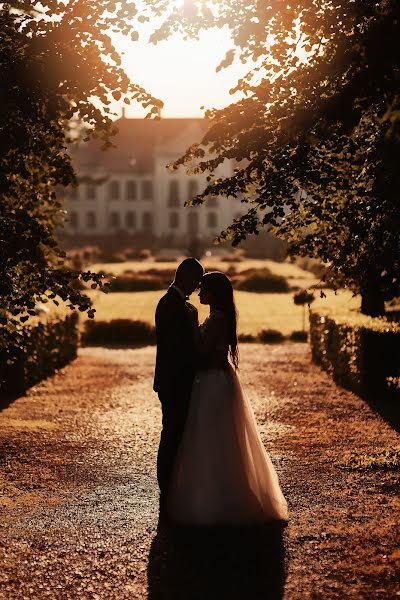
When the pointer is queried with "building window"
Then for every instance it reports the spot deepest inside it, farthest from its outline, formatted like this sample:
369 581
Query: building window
193 222
147 221
114 220
91 220
131 190
147 190
115 190
130 220
211 201
212 220
173 196
174 220
73 219
91 192
193 189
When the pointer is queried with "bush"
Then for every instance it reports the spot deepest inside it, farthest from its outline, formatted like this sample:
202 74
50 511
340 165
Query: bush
118 332
302 297
361 353
271 336
136 254
299 336
247 338
46 347
262 280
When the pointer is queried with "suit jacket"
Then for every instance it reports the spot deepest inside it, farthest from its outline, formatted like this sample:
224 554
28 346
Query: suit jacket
176 353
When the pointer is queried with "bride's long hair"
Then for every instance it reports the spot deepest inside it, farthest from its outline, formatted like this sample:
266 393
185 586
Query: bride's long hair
221 289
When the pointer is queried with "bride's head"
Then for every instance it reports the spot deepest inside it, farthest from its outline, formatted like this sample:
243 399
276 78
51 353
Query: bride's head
217 291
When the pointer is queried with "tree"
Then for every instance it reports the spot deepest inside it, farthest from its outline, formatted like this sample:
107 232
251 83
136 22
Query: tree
59 72
316 132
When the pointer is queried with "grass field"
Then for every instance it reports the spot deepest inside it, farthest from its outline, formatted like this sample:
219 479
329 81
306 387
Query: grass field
256 311
295 276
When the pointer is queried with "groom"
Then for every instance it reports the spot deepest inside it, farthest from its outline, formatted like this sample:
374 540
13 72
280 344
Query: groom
175 365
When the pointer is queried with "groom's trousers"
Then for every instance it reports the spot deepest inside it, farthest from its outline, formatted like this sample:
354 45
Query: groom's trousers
174 414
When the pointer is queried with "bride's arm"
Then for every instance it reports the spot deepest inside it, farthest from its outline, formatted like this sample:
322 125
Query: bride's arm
207 334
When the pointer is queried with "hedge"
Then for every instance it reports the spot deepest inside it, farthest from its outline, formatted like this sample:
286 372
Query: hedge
271 336
361 353
127 332
118 332
47 347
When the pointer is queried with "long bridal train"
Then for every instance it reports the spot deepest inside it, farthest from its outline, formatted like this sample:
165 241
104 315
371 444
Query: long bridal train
223 474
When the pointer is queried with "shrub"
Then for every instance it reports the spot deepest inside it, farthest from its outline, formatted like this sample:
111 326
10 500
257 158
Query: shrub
247 338
361 353
46 347
271 336
118 332
263 280
302 297
298 336
136 254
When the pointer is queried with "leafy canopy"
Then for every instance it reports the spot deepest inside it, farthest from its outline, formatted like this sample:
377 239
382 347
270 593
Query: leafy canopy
315 133
60 70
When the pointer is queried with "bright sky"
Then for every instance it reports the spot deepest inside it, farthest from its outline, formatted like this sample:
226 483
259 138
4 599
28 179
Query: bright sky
181 73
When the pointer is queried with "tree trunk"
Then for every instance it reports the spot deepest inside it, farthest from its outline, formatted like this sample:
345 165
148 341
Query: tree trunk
372 300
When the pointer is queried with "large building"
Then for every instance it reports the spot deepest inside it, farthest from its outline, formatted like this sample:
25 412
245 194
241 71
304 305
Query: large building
129 189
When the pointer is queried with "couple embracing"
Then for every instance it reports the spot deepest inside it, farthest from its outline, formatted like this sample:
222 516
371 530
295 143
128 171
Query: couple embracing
212 466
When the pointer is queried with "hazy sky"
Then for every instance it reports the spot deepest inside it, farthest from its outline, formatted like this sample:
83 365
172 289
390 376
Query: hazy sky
182 73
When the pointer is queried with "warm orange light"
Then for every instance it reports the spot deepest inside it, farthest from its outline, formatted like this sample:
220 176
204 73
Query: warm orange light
181 73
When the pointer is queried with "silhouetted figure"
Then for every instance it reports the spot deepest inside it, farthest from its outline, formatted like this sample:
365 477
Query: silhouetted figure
175 365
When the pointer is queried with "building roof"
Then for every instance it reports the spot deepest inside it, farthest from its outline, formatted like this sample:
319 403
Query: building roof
136 144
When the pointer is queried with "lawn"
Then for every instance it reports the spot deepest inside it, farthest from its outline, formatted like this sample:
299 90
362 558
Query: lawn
256 311
295 276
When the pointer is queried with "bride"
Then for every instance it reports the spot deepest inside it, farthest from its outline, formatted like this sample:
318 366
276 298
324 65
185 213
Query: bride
222 473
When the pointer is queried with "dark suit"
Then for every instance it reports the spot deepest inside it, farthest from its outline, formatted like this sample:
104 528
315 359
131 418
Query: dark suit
173 379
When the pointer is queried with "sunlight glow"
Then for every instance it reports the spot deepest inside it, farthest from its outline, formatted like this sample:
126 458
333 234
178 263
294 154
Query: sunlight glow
181 72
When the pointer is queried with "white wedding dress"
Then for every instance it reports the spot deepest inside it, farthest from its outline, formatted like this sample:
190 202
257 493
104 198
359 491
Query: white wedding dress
222 473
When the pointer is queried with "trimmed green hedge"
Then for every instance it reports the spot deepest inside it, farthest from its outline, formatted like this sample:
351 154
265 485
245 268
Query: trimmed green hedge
118 332
127 332
271 336
361 353
47 347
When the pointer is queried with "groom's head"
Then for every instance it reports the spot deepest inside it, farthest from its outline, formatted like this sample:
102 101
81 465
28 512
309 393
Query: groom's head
189 275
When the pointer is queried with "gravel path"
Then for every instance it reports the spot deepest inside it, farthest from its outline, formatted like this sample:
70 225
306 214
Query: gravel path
79 496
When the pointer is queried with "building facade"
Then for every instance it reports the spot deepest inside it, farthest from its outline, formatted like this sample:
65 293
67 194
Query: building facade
129 189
